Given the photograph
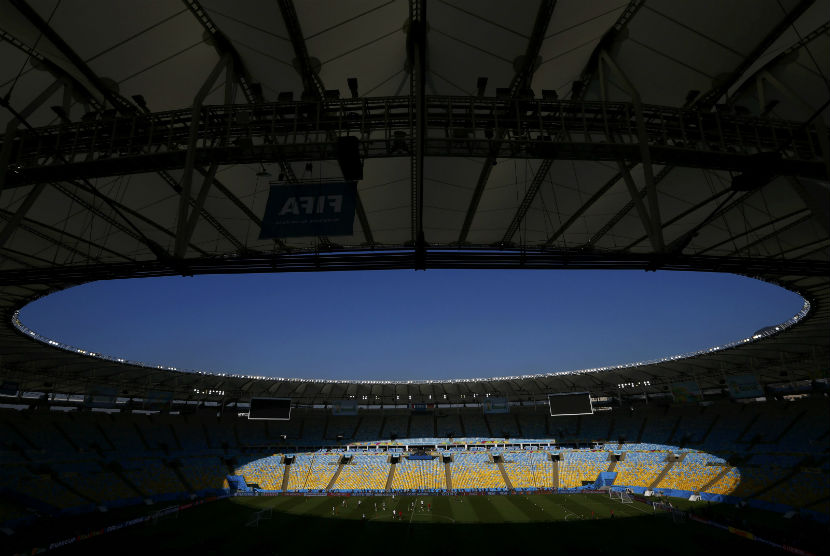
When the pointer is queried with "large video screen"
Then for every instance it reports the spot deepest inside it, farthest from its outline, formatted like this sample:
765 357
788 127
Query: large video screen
576 403
277 409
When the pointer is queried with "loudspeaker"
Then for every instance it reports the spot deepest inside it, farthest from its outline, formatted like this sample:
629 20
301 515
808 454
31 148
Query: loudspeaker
348 156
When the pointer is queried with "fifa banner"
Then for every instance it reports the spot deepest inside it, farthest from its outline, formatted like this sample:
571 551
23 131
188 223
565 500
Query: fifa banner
100 396
157 399
309 210
344 407
495 405
744 386
684 392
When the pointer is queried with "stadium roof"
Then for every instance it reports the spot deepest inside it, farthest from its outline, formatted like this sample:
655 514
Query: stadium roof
142 138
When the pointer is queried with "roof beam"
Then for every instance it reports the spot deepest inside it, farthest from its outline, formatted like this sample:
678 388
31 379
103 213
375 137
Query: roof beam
30 224
783 56
416 45
765 76
240 205
723 208
190 159
184 236
17 119
651 217
203 213
521 80
584 208
703 101
130 227
527 200
753 230
224 47
119 103
625 210
722 86
25 225
25 259
822 247
611 37
54 69
15 219
773 233
682 215
313 88
312 85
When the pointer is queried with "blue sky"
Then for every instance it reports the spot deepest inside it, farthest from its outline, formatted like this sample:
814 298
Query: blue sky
407 324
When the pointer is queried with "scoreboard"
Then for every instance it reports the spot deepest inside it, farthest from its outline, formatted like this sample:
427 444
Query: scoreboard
575 403
273 409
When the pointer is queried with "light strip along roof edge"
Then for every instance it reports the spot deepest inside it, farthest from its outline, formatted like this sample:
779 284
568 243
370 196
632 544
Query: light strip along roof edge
765 333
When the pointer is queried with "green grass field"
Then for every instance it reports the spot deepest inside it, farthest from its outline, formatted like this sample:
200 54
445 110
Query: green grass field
576 523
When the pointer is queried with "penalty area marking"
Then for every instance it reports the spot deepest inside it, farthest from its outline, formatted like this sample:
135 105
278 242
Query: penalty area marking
642 510
569 513
433 516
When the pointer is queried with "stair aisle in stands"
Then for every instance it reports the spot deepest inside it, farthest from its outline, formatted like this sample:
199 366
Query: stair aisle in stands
669 464
448 474
556 474
391 476
715 479
504 475
334 477
286 476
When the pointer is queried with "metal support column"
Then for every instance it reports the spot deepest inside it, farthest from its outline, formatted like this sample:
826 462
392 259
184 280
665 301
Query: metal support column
645 153
19 117
821 129
200 203
5 155
187 176
417 89
654 232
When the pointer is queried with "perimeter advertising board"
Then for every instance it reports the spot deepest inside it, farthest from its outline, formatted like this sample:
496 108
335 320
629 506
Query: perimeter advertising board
318 209
344 407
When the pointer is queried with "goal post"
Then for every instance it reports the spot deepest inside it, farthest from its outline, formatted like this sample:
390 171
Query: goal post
622 496
261 515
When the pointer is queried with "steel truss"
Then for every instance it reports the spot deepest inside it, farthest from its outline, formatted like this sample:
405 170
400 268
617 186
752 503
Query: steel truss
114 144
435 258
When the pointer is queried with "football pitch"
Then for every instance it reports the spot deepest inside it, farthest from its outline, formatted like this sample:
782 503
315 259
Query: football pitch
564 523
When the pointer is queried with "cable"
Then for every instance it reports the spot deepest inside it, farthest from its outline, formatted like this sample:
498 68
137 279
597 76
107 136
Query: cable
28 57
807 48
